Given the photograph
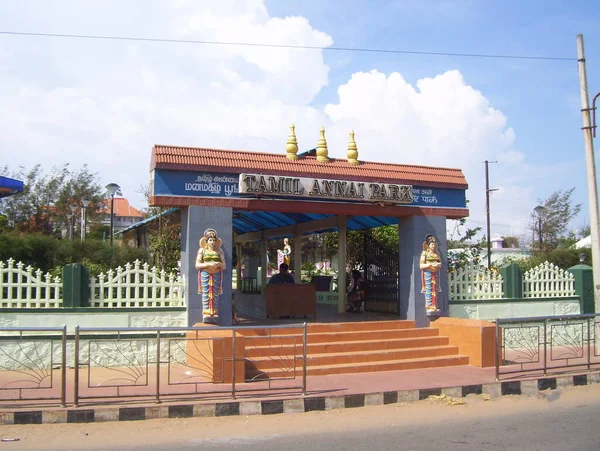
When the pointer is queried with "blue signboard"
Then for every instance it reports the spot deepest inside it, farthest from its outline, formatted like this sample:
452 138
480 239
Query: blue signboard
199 184
196 184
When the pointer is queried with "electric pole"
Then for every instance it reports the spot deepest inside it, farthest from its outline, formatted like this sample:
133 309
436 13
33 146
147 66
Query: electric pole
590 169
487 212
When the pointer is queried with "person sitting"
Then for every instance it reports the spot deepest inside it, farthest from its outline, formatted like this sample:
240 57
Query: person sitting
283 276
356 296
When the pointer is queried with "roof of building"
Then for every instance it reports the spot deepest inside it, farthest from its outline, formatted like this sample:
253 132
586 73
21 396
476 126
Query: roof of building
584 242
122 208
236 162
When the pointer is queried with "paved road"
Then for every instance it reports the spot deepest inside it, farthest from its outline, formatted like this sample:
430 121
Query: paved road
564 419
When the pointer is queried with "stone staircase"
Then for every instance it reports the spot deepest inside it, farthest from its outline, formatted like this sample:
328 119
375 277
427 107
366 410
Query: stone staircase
339 348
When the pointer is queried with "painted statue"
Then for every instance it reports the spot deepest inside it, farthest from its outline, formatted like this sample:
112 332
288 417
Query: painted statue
210 264
430 264
283 255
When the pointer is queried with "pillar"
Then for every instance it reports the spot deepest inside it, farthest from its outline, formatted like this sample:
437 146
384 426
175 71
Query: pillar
263 263
298 258
194 221
412 231
342 227
584 287
238 269
512 276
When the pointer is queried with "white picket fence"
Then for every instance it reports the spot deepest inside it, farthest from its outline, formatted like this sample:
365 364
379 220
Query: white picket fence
24 287
138 285
474 282
135 285
548 281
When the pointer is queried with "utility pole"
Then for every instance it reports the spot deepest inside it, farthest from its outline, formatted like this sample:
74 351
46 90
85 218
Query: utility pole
487 212
590 169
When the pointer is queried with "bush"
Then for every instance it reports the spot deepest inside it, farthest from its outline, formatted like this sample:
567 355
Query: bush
50 254
562 258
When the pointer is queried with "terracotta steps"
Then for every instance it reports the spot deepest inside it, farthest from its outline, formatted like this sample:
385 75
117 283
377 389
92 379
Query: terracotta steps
411 364
295 336
283 346
357 357
330 328
347 348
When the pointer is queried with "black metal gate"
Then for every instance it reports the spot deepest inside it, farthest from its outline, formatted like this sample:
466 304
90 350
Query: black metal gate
381 277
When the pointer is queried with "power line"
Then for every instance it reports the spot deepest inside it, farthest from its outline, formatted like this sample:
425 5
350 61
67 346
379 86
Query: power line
289 46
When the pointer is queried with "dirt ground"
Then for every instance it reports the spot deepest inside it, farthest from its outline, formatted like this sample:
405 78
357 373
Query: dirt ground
239 428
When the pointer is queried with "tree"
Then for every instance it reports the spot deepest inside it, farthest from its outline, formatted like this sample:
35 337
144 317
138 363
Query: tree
165 244
461 248
558 212
45 202
510 242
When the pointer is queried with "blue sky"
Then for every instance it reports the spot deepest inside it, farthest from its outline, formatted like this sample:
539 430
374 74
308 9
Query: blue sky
105 103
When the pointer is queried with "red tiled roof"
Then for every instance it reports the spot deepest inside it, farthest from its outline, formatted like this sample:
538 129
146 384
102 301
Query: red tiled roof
236 161
122 208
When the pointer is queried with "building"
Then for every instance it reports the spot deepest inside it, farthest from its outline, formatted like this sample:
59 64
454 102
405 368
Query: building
124 214
256 196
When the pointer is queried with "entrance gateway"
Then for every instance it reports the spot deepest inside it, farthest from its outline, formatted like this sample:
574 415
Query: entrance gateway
253 196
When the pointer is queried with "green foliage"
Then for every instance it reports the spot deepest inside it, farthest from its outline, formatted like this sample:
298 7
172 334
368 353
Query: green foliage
309 269
461 250
387 236
50 254
558 212
562 258
44 205
510 242
355 249
165 244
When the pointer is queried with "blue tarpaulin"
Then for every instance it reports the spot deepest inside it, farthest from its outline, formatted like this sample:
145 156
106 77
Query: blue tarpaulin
9 186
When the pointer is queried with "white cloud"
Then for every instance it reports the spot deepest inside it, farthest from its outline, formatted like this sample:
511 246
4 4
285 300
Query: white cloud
441 122
105 103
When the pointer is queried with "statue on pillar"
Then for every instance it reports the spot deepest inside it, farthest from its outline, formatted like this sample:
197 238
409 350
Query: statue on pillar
210 264
430 264
284 255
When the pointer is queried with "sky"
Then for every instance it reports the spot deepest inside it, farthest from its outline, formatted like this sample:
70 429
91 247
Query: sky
105 103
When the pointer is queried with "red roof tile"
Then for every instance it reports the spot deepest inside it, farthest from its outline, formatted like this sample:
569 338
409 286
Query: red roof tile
236 161
122 208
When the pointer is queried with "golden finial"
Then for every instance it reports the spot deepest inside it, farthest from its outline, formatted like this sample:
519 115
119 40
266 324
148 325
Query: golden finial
352 150
292 145
322 147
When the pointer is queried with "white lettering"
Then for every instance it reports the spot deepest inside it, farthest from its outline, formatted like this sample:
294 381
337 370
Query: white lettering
230 189
213 188
430 199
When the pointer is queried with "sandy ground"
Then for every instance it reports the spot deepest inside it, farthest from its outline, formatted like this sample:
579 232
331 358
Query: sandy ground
169 431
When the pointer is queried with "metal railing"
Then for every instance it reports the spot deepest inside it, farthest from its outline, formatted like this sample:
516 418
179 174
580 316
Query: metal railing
33 364
547 345
155 364
201 362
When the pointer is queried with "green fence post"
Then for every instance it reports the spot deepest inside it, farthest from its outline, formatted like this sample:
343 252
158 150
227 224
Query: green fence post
512 275
584 287
76 286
